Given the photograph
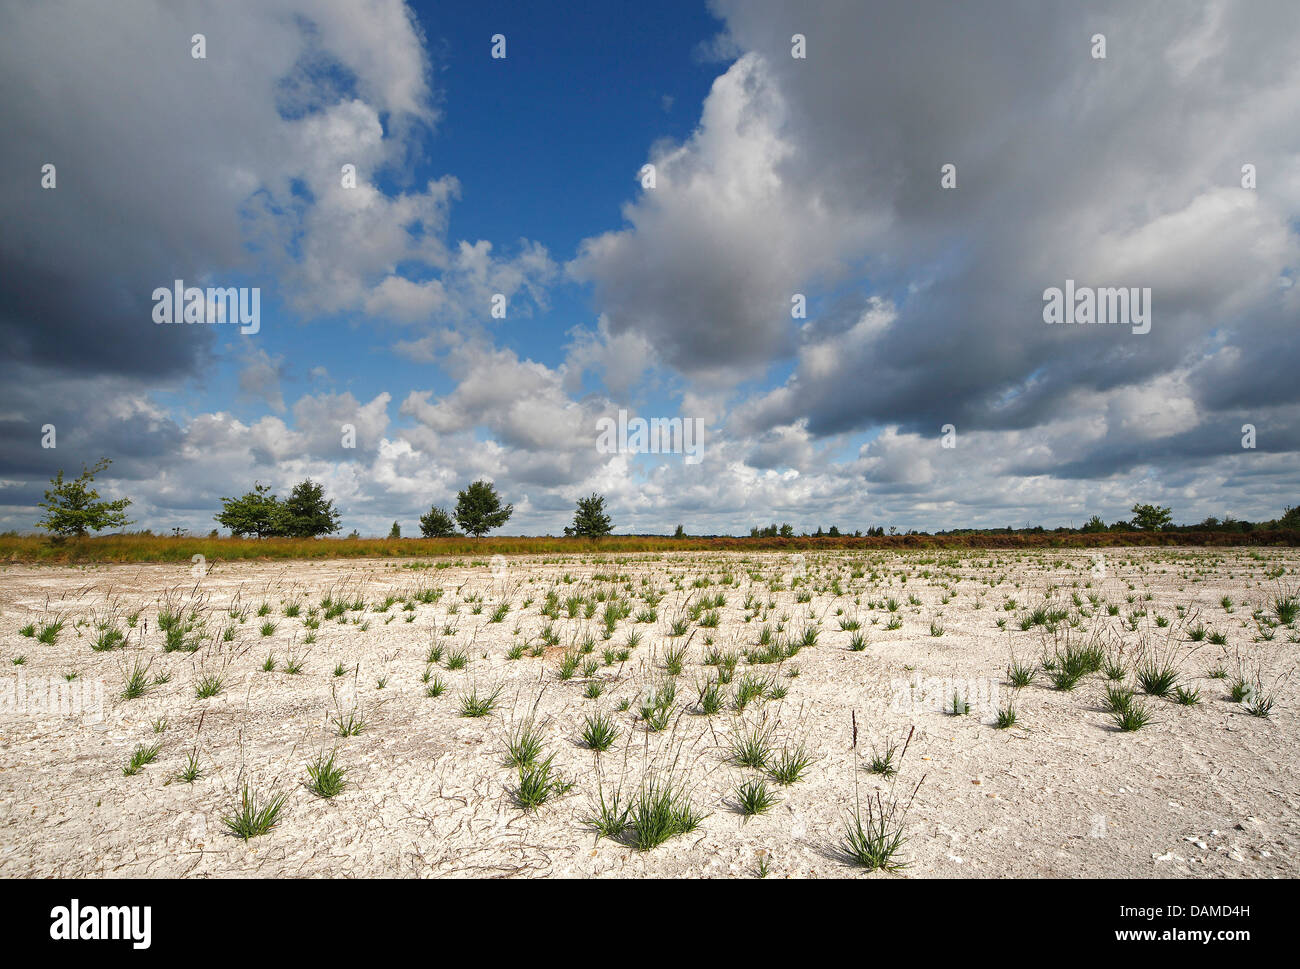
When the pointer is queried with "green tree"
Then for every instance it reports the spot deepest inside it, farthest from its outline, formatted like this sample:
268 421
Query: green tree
1094 524
73 507
479 509
256 513
680 532
1290 517
590 520
437 524
1151 518
395 531
307 513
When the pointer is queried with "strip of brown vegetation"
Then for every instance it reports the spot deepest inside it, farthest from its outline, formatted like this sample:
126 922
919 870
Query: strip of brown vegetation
151 548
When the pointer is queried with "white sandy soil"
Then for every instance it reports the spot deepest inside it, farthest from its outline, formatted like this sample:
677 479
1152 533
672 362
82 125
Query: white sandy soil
1205 790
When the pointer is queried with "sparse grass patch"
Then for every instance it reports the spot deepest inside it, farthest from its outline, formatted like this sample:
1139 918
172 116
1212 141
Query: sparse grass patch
251 819
325 778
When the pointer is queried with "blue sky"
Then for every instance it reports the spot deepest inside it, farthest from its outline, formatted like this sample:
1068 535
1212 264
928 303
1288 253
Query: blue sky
547 145
777 175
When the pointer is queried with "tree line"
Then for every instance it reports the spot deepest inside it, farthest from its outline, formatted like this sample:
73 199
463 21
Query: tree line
73 508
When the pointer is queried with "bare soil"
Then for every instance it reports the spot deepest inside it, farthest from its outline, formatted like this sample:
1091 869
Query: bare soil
1204 790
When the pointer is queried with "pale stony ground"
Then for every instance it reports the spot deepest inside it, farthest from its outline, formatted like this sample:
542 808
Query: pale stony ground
1204 791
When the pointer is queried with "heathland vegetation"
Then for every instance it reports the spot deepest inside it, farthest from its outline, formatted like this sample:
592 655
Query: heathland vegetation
261 525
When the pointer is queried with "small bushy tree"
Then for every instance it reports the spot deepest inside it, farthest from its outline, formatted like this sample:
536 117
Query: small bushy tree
436 524
395 531
1151 518
256 513
479 509
73 507
307 513
590 520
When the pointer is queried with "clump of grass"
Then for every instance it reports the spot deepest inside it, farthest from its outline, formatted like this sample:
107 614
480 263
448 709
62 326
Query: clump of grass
349 725
137 680
108 639
1117 698
599 732
1286 606
857 642
436 687
1020 674
1114 669
790 765
325 778
251 819
882 761
209 685
1156 676
1005 717
711 697
751 746
1131 717
475 704
1260 705
753 797
48 633
538 783
1185 697
524 744
657 708
874 842
1069 665
141 757
192 770
661 811
609 818
749 689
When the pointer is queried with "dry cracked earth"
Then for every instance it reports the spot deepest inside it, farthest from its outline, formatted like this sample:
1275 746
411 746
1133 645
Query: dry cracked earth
828 659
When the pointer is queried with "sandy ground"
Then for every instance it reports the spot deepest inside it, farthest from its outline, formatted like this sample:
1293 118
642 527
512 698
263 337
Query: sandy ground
1205 790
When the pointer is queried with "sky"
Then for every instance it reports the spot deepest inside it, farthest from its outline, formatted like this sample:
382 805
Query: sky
798 155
